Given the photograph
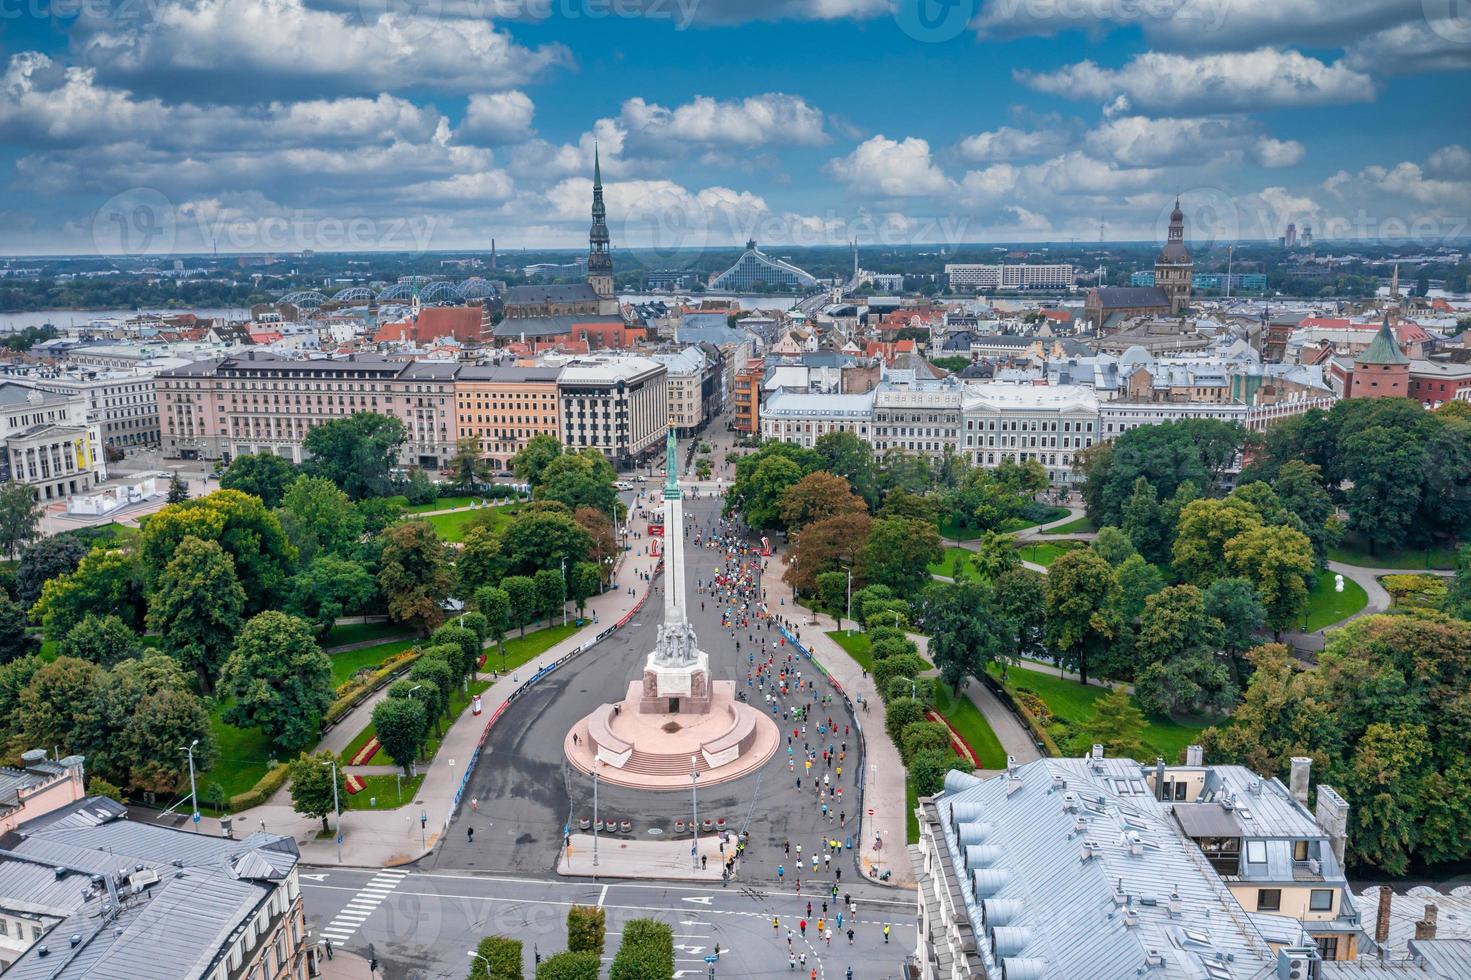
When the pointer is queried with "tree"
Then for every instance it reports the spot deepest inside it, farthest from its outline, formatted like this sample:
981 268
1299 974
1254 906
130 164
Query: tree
1135 580
503 956
415 575
832 593
417 489
585 579
249 533
1233 603
1195 682
466 645
899 714
1195 451
521 591
196 607
329 588
263 475
543 539
586 927
850 457
1144 524
313 793
436 674
599 527
928 770
1113 545
1116 725
817 496
1383 500
825 546
551 592
1278 561
178 490
480 562
900 470
646 952
570 966
104 640
996 555
319 519
1205 528
1021 598
923 736
357 453
1173 623
901 503
1079 597
20 517
61 706
580 479
898 553
104 580
159 723
762 494
966 631
495 605
467 466
44 560
534 458
280 679
400 725
15 639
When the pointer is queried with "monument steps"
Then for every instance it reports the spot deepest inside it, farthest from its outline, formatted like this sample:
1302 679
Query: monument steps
663 764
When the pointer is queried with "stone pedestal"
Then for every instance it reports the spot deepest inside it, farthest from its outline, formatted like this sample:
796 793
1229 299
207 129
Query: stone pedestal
676 690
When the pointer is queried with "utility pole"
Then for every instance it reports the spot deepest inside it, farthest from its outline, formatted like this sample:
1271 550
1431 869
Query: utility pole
850 602
193 791
564 591
695 815
337 807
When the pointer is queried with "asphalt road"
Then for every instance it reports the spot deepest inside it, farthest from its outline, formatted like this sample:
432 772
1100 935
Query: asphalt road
527 792
422 924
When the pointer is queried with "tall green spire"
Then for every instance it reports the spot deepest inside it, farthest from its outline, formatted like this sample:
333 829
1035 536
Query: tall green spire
597 169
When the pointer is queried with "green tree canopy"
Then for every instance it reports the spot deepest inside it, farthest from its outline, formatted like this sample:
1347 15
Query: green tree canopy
263 475
542 540
400 725
898 554
313 792
20 517
358 453
319 519
1080 603
105 579
280 680
44 560
104 640
328 588
1116 725
966 630
249 533
415 575
196 607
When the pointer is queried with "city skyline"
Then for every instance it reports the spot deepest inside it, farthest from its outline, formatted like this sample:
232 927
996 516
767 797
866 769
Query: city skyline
173 127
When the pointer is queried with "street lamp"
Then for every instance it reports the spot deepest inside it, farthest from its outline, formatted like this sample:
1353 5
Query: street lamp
336 807
595 763
913 686
193 792
695 815
564 591
850 602
476 956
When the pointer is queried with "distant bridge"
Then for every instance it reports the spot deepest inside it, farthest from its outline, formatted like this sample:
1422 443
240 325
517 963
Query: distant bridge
430 291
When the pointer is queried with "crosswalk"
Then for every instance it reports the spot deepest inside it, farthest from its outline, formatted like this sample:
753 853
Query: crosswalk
362 905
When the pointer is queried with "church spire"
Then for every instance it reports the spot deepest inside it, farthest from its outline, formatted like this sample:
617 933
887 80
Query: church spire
599 258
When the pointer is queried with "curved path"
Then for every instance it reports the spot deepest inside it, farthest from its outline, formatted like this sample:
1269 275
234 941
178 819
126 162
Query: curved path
1379 599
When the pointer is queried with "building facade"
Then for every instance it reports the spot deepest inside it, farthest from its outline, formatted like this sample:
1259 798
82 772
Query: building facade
747 396
1045 423
504 408
1174 270
922 417
617 405
122 404
696 391
968 277
803 418
50 446
755 269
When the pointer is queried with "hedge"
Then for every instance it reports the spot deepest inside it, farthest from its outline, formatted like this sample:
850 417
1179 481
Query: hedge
504 956
570 966
586 927
351 693
1034 725
263 790
647 952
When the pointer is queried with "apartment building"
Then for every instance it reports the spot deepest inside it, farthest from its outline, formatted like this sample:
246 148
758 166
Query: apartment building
49 444
917 415
747 396
618 405
87 893
503 408
122 404
804 418
975 277
696 393
1045 423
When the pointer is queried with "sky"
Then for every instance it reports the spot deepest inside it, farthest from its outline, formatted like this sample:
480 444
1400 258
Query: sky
157 126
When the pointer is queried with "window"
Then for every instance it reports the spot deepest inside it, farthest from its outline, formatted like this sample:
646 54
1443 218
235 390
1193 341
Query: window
1321 900
1299 850
1328 947
1256 852
1268 899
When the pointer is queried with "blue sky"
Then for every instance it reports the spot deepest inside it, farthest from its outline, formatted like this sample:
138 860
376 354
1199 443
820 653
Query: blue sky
277 125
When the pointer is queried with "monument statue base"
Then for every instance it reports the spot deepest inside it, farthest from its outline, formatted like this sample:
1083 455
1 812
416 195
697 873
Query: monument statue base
676 689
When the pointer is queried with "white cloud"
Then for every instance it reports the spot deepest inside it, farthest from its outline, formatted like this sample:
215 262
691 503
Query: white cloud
1144 141
497 117
1451 161
891 168
1266 78
773 118
1420 45
1279 153
234 50
1010 143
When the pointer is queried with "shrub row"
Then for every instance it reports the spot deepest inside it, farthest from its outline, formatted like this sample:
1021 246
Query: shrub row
504 956
1018 701
646 952
351 693
263 790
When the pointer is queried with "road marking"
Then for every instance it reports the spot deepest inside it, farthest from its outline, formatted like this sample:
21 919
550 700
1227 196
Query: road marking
602 896
703 899
361 905
321 877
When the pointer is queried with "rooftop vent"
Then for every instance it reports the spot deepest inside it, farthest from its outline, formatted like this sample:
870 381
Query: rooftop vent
989 881
1131 917
1009 940
1023 968
1120 898
60 872
1153 958
43 950
1000 911
1177 908
1080 824
76 939
1089 850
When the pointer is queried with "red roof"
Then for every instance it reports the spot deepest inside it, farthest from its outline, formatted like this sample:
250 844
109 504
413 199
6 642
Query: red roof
265 336
1332 323
460 322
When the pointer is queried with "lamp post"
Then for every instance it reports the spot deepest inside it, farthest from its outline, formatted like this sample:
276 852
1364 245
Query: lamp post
414 763
913 686
694 815
564 591
850 602
595 763
476 956
337 807
193 792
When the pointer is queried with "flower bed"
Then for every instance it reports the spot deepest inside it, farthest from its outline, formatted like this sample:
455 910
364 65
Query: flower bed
365 753
957 742
353 783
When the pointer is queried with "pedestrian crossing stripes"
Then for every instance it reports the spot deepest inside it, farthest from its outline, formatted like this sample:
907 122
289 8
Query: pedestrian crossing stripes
362 905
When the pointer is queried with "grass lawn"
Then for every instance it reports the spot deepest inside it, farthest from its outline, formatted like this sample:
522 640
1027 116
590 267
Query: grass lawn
242 756
388 792
946 565
443 503
1081 526
952 531
967 719
522 649
857 648
457 706
1354 552
1073 702
1022 523
1047 552
345 756
452 526
1327 606
346 633
349 662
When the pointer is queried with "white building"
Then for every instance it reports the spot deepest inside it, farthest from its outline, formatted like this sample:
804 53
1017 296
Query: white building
977 278
616 404
121 403
918 416
696 391
1049 424
50 446
802 418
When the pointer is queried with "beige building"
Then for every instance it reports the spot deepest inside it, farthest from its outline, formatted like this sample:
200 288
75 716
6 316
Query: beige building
50 446
617 404
696 389
503 408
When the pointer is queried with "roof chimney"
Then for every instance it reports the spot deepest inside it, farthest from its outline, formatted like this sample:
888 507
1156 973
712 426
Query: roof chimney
1194 755
1425 928
1298 777
1159 778
1381 918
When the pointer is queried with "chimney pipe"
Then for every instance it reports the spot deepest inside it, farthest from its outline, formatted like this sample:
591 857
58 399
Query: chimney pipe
1301 772
1159 778
1194 755
1425 928
1381 918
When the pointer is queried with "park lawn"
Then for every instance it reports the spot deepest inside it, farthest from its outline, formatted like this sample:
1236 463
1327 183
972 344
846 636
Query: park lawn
946 565
1073 702
385 790
856 646
1327 606
1022 523
349 662
522 649
355 746
1081 526
452 526
1351 551
951 531
967 719
443 503
345 634
457 705
1047 552
242 755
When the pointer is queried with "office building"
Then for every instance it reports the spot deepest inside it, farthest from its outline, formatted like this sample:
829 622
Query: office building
503 408
920 416
1044 423
616 404
122 404
50 446
968 277
803 418
696 390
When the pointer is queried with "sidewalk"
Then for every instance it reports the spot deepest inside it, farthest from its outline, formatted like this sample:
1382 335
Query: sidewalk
883 788
380 838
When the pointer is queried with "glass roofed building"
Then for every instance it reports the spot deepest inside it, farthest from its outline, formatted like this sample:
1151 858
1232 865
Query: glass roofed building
755 269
